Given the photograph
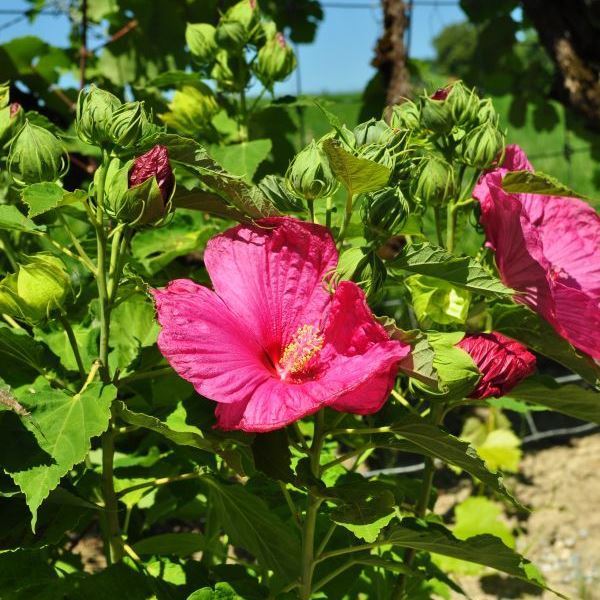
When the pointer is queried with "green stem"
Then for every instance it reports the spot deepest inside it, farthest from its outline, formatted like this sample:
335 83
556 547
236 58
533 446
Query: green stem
74 345
243 122
347 217
117 250
438 225
160 482
311 210
452 213
9 251
87 261
146 375
328 209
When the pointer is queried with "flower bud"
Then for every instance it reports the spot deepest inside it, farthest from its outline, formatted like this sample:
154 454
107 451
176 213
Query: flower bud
487 113
464 104
435 112
42 285
481 146
236 27
310 176
12 118
200 38
275 61
10 303
192 109
4 94
405 116
372 132
384 214
230 71
94 115
379 154
129 125
434 182
139 192
502 362
36 155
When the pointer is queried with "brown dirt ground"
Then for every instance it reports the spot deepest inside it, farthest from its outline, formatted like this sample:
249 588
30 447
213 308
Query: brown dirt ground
562 534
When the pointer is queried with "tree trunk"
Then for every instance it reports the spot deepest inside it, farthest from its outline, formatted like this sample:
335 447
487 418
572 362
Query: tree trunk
390 52
570 32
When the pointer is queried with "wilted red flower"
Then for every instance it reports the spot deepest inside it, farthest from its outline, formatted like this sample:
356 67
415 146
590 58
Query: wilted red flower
440 93
271 345
547 249
154 163
502 362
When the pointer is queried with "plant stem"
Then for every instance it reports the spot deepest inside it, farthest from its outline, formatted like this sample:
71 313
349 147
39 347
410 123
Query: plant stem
243 122
74 345
452 213
311 210
146 375
347 217
9 251
87 261
328 209
438 225
160 482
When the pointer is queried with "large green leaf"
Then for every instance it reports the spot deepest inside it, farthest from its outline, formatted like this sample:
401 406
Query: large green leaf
42 197
242 159
519 322
572 400
529 182
250 523
12 218
21 357
179 544
425 438
359 175
426 259
63 425
486 549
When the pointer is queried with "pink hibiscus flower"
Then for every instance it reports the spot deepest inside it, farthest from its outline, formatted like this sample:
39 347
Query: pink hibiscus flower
270 344
548 250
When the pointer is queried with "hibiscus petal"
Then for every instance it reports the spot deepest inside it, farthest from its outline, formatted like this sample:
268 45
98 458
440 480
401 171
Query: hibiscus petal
515 159
271 275
206 344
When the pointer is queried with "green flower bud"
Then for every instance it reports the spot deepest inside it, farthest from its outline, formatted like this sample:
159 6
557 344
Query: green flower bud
238 25
434 182
42 285
379 154
487 113
464 104
192 109
275 61
481 147
129 125
10 303
94 115
245 12
435 112
310 176
372 132
4 94
200 38
384 214
36 155
230 71
231 35
406 116
12 118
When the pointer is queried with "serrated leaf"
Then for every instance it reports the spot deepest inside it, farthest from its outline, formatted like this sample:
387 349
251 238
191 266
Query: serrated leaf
530 182
222 591
64 427
426 259
178 544
522 324
12 218
250 523
42 197
242 159
572 400
359 175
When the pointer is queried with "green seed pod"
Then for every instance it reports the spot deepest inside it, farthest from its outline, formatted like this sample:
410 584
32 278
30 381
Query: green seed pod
384 214
481 147
310 176
275 61
42 285
372 132
200 38
36 155
93 119
435 112
128 124
406 116
12 118
434 182
192 109
464 104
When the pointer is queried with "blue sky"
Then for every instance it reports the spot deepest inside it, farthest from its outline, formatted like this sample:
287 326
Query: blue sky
338 61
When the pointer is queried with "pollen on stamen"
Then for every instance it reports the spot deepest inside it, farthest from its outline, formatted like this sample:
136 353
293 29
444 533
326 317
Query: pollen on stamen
305 344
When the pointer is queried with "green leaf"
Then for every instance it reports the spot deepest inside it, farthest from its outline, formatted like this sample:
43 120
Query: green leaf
209 202
250 523
427 259
359 175
572 400
521 323
222 591
42 197
21 357
272 454
11 218
187 435
242 159
179 544
173 79
432 441
486 549
63 425
58 341
529 182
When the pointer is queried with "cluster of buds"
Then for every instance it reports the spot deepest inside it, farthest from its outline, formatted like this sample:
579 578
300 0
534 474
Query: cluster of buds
40 287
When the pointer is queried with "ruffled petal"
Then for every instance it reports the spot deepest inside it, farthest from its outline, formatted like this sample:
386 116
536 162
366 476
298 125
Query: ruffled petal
271 275
207 344
515 159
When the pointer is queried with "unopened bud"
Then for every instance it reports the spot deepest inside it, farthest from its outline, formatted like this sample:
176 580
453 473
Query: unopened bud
130 124
236 27
36 155
406 116
481 147
372 132
464 104
310 176
12 118
487 113
191 109
384 214
434 183
94 116
200 38
275 61
230 71
435 112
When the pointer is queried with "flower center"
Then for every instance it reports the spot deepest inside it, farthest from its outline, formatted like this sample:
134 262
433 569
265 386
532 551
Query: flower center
305 344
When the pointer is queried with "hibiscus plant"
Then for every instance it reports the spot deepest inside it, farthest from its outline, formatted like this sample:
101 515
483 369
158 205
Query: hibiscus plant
204 376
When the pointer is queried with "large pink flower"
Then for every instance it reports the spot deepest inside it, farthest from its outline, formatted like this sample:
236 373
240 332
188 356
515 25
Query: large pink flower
547 249
270 344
